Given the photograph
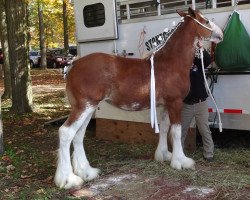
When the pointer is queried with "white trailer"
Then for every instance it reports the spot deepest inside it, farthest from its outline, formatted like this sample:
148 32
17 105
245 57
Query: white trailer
132 27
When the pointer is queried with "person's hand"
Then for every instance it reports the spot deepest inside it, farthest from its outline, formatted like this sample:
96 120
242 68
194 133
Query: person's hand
199 44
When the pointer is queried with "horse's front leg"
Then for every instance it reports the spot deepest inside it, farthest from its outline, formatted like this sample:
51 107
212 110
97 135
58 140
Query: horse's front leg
179 160
162 153
80 162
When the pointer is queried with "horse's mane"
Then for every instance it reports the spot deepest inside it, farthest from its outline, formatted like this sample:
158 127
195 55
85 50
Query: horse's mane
169 33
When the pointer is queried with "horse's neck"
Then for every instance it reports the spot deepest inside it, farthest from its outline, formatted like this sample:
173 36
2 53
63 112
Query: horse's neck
182 42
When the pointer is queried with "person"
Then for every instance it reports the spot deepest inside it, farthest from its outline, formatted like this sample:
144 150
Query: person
195 105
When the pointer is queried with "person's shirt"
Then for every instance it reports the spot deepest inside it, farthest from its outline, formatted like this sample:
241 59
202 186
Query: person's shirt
197 86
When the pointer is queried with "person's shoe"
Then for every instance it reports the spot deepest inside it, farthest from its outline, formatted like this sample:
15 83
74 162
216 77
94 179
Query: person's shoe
209 159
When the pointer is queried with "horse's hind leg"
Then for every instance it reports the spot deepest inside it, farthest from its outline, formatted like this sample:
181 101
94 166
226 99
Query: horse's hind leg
64 176
80 162
162 153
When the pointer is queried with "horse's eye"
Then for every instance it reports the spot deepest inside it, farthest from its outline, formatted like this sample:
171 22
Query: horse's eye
207 22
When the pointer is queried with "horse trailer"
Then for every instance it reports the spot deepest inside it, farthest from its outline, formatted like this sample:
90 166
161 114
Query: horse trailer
133 28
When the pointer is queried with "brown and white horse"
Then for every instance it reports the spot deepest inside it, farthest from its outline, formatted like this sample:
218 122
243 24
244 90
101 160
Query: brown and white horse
125 83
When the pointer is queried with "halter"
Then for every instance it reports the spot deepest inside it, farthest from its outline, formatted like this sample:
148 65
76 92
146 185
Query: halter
210 29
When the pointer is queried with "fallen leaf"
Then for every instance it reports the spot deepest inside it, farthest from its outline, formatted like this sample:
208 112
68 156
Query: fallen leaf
82 193
14 189
40 191
19 151
48 180
10 168
26 176
6 158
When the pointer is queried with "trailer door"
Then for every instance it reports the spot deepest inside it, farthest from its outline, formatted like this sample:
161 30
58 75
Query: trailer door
95 20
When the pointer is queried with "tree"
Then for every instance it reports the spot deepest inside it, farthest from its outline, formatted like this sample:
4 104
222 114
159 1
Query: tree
65 27
1 131
5 48
53 23
17 29
41 35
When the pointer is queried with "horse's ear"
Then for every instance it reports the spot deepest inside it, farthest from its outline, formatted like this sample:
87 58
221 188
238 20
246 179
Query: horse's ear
191 12
181 13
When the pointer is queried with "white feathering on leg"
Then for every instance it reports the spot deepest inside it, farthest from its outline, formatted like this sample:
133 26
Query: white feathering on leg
64 177
162 153
179 160
80 162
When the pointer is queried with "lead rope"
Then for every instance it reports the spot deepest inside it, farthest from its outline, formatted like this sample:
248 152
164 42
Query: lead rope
209 91
153 113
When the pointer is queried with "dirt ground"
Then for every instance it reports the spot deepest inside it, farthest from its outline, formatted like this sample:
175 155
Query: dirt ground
128 171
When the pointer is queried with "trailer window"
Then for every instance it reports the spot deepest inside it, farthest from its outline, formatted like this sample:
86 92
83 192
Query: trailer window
94 15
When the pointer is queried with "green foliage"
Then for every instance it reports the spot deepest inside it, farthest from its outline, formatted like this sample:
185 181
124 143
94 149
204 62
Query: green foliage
53 23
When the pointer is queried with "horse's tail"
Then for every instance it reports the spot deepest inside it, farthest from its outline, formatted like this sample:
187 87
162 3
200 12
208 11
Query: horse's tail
67 68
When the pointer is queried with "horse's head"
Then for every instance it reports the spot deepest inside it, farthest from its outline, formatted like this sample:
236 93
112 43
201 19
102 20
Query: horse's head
204 27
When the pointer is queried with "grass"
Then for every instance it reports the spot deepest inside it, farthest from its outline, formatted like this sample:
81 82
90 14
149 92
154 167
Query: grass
229 172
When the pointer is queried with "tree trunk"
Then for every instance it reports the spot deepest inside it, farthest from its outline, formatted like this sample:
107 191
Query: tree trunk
17 20
43 62
65 27
4 43
1 130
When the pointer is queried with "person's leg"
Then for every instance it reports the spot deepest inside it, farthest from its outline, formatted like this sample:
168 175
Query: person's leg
201 117
187 115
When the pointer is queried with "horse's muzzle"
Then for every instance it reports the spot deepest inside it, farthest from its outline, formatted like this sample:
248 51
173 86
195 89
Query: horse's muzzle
216 38
217 34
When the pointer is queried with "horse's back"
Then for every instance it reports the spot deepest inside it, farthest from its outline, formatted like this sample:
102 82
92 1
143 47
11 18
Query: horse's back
101 76
107 65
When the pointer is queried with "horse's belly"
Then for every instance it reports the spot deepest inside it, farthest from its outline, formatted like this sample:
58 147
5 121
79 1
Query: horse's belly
130 106
134 107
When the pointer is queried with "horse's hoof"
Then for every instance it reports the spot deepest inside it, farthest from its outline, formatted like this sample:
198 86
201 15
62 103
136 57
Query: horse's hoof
175 165
89 174
188 163
71 181
183 163
162 156
92 173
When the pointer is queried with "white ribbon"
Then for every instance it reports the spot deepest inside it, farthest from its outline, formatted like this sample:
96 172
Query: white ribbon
153 113
209 91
